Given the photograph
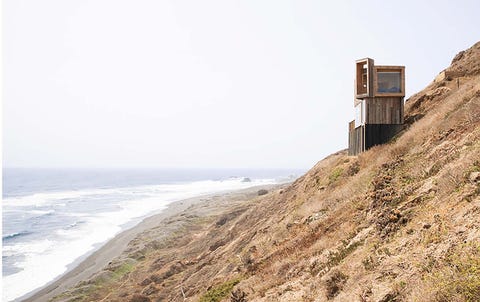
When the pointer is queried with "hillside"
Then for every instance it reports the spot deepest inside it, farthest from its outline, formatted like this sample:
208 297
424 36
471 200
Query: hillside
400 222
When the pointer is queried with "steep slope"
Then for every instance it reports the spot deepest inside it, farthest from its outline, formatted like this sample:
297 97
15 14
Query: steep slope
400 222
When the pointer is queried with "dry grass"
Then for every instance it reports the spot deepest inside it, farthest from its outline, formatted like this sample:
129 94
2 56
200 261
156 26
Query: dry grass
457 279
392 219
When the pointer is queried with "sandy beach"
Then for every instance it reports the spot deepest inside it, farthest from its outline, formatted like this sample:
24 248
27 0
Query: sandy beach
123 243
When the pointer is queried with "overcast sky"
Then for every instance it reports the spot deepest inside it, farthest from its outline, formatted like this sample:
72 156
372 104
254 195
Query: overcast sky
212 84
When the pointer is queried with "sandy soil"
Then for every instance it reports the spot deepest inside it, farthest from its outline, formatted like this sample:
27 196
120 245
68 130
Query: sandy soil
118 245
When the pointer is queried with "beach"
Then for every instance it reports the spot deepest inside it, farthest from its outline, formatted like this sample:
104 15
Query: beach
165 224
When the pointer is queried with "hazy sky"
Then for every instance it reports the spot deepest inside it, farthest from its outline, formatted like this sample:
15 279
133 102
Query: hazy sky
110 83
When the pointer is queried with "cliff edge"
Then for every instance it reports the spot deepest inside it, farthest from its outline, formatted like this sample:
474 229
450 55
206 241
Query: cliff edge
400 222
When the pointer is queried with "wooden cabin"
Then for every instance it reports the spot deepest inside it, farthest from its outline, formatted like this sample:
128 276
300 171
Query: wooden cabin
379 94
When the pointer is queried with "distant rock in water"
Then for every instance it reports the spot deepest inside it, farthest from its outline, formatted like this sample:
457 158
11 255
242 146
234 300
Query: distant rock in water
262 192
246 179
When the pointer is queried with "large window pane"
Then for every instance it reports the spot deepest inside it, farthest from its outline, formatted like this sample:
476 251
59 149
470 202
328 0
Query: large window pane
359 114
389 81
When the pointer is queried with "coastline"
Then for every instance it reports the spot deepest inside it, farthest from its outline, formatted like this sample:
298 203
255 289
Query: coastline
115 247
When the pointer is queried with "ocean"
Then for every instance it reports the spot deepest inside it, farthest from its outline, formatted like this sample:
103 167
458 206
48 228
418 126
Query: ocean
53 218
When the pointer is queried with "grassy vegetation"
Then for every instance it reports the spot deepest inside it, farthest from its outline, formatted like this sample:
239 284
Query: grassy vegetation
85 290
219 292
369 263
122 270
459 280
336 257
335 175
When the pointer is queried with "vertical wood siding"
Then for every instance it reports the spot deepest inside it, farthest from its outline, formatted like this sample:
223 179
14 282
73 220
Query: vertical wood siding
385 110
356 140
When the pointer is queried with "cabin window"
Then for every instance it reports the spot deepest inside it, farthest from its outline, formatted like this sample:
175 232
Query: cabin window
360 114
389 82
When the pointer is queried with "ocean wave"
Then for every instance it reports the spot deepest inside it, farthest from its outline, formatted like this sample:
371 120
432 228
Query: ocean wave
40 216
45 199
75 224
203 186
38 212
15 235
29 247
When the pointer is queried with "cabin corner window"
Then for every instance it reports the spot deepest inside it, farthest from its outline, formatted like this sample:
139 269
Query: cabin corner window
389 82
362 78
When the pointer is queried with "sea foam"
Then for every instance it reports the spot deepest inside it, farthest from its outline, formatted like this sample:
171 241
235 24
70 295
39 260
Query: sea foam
67 226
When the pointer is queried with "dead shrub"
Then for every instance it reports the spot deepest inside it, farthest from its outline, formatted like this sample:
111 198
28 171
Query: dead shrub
353 169
139 298
335 283
238 295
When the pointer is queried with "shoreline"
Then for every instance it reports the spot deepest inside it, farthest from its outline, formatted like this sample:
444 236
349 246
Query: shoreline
87 266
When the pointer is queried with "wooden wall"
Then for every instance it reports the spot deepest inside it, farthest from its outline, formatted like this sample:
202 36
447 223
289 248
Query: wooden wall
364 137
380 134
385 110
356 140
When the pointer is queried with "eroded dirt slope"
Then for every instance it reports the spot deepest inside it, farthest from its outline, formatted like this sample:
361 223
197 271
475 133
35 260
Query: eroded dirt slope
400 222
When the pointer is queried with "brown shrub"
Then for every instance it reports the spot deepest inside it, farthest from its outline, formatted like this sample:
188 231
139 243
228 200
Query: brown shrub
139 298
335 283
